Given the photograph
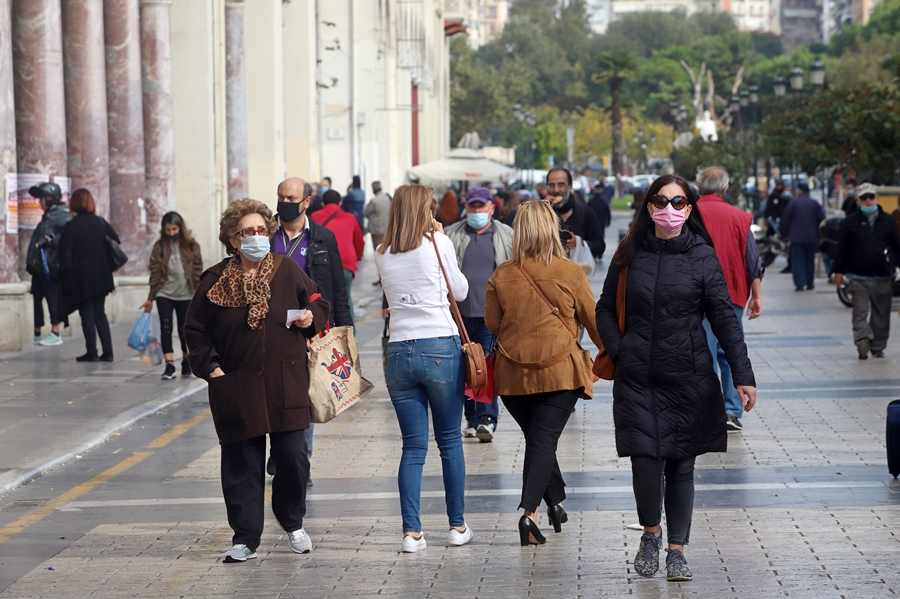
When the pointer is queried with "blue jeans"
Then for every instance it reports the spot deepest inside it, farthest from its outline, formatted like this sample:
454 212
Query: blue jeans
733 403
479 333
803 264
423 373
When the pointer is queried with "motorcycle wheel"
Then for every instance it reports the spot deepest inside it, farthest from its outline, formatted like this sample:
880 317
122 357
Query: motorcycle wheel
768 258
845 296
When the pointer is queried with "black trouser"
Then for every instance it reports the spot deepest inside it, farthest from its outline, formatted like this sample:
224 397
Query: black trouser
165 307
673 479
244 484
542 418
42 289
93 322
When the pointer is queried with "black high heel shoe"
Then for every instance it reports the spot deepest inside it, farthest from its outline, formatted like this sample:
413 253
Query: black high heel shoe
557 516
529 533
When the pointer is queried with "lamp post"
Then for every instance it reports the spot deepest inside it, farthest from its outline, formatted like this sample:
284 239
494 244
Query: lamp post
779 86
530 120
519 115
817 75
796 79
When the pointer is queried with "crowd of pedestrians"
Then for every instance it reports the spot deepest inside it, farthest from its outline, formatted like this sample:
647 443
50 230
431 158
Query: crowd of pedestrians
669 319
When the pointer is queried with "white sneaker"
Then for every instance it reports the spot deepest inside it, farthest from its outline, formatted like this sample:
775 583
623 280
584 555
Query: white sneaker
239 553
411 544
461 538
485 431
299 541
469 430
51 339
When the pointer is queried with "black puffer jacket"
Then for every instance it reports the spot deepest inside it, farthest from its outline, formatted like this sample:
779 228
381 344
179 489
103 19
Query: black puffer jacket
667 399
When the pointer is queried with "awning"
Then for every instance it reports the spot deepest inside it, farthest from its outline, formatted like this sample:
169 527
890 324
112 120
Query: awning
462 164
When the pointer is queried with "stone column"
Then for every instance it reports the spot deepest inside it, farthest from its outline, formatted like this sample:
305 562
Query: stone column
159 139
85 76
124 106
235 100
9 246
40 99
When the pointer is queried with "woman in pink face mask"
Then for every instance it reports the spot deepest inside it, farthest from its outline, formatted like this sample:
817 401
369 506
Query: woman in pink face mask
667 399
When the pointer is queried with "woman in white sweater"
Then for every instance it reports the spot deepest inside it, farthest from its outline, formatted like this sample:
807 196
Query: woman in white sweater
424 360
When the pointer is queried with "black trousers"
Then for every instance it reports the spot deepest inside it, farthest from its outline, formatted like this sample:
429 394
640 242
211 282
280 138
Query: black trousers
94 322
244 484
542 418
42 289
671 481
166 307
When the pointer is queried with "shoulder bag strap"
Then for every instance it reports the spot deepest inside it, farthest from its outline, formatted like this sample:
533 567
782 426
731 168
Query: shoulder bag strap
279 258
620 299
553 309
454 308
328 220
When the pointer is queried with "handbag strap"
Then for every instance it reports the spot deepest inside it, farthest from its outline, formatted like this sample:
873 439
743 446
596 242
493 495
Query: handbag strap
553 309
620 299
454 308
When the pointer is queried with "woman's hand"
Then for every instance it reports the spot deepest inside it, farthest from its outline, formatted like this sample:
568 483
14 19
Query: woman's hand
747 395
216 373
147 306
304 321
438 227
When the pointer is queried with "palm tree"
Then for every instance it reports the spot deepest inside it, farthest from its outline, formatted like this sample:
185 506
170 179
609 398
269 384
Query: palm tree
614 67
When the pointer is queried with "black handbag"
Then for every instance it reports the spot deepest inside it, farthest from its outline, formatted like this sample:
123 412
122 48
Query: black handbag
117 258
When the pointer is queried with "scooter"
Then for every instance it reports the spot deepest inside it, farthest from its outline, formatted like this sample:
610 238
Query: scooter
770 245
829 231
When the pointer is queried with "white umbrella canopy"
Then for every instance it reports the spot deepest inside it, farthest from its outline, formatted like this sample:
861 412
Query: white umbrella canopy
462 164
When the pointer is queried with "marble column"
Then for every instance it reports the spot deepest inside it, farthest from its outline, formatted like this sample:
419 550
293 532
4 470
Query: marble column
159 138
9 246
39 95
124 106
235 100
84 66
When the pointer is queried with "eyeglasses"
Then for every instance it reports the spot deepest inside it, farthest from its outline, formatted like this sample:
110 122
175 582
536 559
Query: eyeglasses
250 232
867 196
678 202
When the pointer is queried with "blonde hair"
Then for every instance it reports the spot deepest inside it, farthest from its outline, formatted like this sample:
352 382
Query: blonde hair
536 234
231 219
410 218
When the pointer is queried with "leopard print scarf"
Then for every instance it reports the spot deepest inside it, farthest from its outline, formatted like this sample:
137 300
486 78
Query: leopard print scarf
235 290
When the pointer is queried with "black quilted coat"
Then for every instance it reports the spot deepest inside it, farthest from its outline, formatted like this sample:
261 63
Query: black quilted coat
667 399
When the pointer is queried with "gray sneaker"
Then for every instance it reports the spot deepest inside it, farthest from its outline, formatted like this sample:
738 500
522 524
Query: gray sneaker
676 567
239 553
646 562
299 541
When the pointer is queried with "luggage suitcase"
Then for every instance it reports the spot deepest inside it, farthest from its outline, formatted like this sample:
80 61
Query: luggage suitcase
893 437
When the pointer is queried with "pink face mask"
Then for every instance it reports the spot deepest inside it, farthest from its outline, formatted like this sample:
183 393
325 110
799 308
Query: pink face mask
669 220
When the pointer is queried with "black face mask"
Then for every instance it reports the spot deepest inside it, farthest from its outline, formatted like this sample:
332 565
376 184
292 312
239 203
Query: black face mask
174 237
565 205
288 212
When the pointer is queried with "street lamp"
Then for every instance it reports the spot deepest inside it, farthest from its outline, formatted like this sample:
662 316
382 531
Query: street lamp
797 79
745 99
754 95
817 74
673 110
779 87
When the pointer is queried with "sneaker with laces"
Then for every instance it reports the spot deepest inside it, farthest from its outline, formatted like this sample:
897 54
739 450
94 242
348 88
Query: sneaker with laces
469 429
733 423
875 354
51 339
458 538
646 562
239 553
676 567
485 430
38 338
411 543
299 541
169 373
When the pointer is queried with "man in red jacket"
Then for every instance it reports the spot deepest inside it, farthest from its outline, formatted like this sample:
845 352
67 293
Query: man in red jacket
729 228
348 234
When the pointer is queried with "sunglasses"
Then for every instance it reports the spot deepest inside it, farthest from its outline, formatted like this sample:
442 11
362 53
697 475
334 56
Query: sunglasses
678 202
867 196
250 232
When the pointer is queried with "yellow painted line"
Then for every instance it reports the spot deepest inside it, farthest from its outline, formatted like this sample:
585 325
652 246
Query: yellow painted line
40 513
36 515
177 431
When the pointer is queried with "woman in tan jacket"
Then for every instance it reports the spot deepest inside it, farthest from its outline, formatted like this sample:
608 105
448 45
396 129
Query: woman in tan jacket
535 305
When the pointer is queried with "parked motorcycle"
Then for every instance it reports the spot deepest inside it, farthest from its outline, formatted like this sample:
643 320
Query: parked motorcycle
769 242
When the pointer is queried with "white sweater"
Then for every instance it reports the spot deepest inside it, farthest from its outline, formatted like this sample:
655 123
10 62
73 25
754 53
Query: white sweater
416 291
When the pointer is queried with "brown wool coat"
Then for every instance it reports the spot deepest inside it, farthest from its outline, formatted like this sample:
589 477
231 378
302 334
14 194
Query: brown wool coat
535 352
265 388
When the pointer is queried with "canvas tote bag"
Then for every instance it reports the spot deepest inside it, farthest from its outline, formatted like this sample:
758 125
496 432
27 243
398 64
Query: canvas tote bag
335 381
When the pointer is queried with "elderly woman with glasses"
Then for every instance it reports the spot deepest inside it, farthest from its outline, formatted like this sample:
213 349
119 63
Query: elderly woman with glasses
247 329
667 401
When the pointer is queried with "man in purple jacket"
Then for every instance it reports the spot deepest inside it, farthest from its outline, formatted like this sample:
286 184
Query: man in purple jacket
800 225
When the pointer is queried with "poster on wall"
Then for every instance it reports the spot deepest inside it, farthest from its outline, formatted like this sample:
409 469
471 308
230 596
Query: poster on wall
65 186
30 211
12 203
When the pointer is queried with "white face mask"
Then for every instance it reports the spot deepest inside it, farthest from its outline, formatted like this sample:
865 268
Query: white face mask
255 248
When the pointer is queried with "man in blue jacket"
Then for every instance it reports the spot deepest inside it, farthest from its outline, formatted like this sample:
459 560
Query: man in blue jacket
800 225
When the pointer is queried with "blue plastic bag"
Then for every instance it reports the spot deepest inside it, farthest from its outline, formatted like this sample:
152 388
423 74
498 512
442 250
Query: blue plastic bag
140 332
